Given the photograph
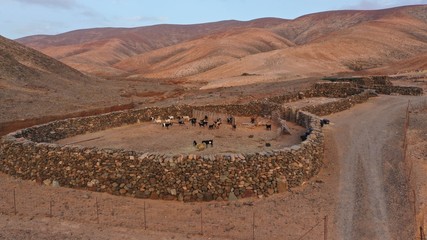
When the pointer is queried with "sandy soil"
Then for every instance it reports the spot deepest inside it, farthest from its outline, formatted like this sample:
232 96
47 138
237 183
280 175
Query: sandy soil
152 137
374 196
417 155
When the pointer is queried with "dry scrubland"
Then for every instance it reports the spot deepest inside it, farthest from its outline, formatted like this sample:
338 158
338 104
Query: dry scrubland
363 186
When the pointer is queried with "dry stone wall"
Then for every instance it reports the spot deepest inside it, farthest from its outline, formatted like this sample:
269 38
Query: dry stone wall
31 154
340 105
381 84
388 90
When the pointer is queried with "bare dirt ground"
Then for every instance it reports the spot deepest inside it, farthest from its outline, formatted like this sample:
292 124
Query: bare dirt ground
152 137
417 155
374 195
361 189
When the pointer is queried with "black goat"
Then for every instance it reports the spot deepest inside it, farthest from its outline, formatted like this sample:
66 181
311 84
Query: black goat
208 142
253 120
167 125
323 122
203 123
304 137
193 121
268 126
230 120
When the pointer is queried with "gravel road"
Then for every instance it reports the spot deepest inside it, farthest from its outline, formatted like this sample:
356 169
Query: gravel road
374 197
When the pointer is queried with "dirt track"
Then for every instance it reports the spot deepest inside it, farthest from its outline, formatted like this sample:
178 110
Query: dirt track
374 195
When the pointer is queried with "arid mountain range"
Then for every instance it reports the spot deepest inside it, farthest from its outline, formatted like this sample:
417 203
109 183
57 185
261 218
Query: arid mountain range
312 45
106 66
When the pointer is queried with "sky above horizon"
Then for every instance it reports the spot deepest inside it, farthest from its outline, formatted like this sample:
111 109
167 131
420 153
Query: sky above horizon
20 18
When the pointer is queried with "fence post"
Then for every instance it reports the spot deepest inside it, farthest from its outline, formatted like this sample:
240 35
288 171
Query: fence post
14 201
50 207
97 210
253 226
325 228
145 219
201 220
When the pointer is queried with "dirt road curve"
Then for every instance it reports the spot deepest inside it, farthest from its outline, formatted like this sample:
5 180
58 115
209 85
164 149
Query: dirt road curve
374 200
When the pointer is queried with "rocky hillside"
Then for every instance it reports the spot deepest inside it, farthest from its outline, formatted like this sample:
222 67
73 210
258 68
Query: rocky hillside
33 84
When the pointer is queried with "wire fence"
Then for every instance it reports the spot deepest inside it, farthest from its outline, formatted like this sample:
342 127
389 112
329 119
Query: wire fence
245 222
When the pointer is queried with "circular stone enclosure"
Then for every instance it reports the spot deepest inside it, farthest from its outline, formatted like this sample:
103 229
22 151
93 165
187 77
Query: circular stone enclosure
33 153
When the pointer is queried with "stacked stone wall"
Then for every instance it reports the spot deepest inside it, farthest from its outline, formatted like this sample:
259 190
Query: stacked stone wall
340 105
381 84
388 90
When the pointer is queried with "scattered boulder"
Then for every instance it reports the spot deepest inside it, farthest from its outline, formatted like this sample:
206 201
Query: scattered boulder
232 196
282 184
47 182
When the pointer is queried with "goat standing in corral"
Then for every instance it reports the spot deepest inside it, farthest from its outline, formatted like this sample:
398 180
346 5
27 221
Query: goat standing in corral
156 120
324 121
253 119
268 126
193 121
208 142
203 123
217 123
166 125
203 145
230 120
305 136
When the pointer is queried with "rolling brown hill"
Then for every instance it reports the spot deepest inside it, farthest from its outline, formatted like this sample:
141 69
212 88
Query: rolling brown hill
313 45
33 85
95 50
203 54
233 53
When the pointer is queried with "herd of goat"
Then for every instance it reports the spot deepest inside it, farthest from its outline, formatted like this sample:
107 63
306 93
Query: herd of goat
193 121
181 120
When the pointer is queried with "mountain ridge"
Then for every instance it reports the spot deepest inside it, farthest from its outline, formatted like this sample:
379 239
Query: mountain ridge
328 43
